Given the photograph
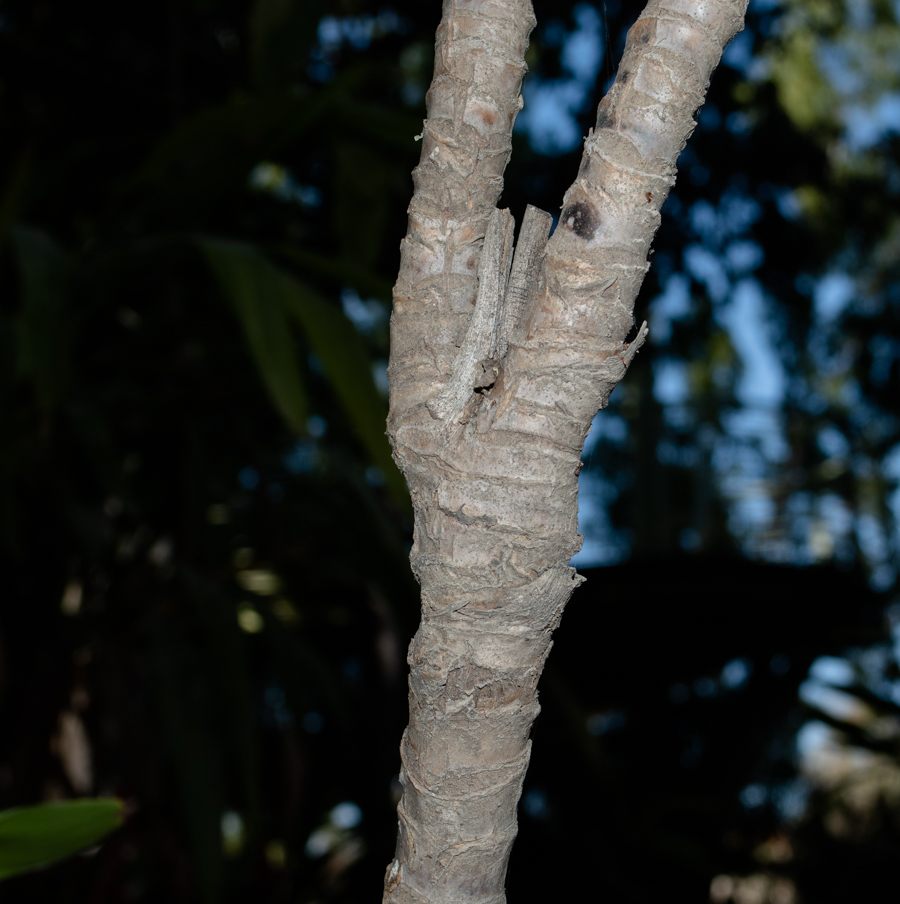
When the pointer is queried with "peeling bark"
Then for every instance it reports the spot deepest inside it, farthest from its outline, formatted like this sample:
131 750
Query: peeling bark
495 376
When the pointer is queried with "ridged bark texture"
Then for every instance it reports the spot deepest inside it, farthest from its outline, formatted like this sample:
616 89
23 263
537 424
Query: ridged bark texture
493 391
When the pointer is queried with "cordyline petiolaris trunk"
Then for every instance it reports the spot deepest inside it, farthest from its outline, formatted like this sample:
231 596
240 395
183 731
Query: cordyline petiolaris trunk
497 368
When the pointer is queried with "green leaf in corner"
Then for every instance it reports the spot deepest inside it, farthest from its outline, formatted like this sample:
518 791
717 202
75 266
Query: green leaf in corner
31 837
256 289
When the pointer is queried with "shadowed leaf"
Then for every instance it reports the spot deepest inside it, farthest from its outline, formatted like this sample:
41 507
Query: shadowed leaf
346 363
256 289
282 32
44 270
265 296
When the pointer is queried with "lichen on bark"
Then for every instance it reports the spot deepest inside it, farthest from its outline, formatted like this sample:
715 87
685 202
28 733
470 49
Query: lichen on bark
492 466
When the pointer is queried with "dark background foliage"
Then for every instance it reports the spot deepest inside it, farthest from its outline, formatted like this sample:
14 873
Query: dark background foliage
204 594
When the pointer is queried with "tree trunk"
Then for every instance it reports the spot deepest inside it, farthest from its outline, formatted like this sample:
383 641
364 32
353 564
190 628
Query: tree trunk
497 369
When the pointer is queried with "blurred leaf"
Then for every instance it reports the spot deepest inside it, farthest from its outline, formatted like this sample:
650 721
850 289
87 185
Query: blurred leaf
33 836
803 91
346 362
218 146
361 200
282 33
255 284
45 271
340 270
215 149
256 290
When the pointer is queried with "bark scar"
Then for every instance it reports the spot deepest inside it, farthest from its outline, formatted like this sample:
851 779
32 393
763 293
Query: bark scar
483 335
506 286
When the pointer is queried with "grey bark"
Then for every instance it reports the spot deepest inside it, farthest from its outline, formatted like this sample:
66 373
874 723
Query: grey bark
495 376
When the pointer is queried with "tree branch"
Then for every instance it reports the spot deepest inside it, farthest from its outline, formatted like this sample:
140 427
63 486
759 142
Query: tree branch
467 138
597 258
492 470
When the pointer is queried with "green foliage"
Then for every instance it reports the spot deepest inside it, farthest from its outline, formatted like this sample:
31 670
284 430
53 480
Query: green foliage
32 837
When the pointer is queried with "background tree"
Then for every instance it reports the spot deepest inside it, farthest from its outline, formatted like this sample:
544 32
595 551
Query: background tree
210 608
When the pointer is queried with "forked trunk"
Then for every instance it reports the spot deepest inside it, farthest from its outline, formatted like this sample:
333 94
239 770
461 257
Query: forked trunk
498 366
